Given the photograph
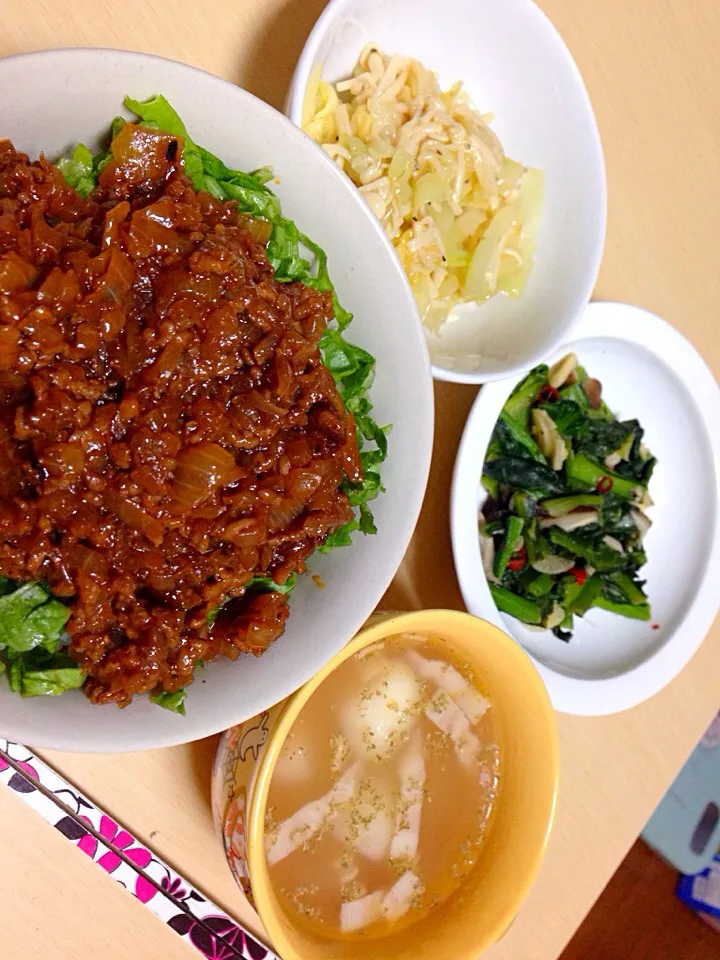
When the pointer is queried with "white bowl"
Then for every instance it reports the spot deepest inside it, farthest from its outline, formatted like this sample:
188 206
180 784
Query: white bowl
64 96
515 65
649 372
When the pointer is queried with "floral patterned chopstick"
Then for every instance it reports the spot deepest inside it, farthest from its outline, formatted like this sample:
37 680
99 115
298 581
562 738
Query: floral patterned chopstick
148 878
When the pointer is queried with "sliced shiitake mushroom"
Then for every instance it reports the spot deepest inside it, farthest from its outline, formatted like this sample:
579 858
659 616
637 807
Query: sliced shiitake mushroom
593 391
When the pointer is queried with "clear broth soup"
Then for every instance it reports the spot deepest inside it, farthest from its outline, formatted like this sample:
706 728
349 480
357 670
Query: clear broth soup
382 795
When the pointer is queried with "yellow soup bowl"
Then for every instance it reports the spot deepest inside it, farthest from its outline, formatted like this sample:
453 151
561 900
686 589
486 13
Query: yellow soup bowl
483 908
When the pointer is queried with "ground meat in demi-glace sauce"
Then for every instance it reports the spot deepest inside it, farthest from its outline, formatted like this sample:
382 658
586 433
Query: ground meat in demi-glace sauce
167 428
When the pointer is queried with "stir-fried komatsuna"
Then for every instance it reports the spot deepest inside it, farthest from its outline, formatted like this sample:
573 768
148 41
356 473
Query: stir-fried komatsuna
563 525
169 434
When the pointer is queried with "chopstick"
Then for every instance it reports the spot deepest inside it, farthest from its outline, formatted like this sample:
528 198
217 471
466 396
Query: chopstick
137 868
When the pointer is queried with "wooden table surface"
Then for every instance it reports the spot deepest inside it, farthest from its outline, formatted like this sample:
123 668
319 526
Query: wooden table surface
652 70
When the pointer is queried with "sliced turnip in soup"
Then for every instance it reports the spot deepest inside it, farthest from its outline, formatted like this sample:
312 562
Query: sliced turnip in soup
447 678
347 869
299 759
311 818
379 719
411 773
414 786
340 752
402 895
365 825
356 914
449 718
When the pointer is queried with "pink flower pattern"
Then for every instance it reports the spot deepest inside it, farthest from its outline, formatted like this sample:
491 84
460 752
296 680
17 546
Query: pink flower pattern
213 934
110 861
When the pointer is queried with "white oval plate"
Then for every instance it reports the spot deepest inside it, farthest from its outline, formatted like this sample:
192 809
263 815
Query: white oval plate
650 372
61 97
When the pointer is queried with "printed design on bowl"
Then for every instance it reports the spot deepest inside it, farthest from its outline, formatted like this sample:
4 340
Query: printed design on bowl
244 742
254 738
235 841
129 862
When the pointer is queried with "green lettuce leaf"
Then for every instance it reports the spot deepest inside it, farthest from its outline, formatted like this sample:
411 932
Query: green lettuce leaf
174 701
30 617
260 583
41 673
158 113
78 170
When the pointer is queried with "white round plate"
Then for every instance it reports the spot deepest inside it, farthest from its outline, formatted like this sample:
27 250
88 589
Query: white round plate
65 96
648 372
514 65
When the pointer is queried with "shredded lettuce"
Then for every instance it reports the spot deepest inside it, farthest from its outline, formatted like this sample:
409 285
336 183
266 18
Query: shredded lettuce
31 629
260 583
40 672
174 701
30 617
78 170
6 586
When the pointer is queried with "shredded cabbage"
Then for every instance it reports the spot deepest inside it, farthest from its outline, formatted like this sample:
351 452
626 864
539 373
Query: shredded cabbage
462 216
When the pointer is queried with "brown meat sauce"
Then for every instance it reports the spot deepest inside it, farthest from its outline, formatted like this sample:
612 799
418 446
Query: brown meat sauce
167 428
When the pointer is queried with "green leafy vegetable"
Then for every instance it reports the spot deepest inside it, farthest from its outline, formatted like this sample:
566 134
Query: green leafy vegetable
518 607
559 506
78 170
579 529
582 472
513 439
586 596
629 588
596 553
260 583
265 584
174 701
513 532
6 586
29 617
15 672
41 673
566 414
524 474
525 394
632 611
540 585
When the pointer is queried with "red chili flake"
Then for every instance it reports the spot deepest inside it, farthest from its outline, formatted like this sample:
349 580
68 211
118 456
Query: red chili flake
518 560
580 575
548 394
604 485
656 626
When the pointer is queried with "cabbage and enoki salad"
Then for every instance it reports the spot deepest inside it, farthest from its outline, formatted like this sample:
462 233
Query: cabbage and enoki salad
33 645
463 217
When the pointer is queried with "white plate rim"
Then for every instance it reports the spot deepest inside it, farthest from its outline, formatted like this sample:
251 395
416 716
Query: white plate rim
582 696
